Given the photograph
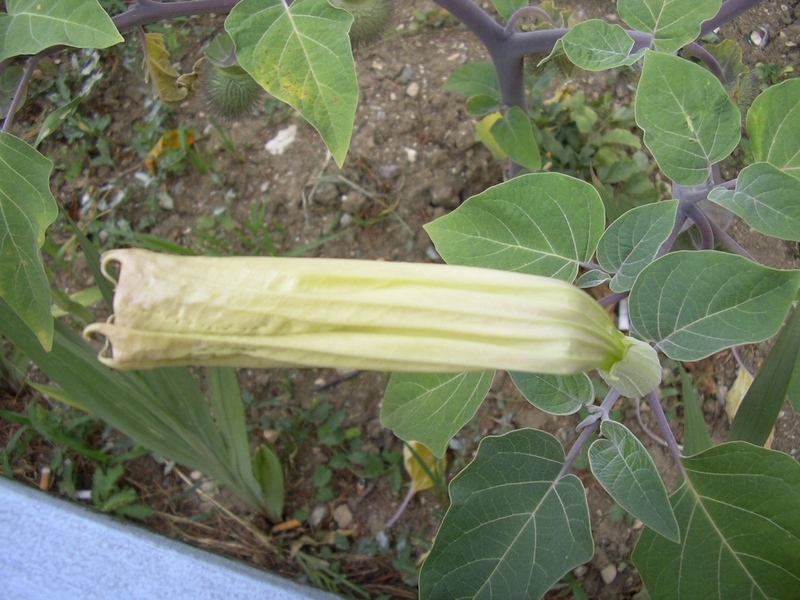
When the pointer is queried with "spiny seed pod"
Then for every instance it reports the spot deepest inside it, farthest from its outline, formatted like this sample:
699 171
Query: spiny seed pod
230 91
370 19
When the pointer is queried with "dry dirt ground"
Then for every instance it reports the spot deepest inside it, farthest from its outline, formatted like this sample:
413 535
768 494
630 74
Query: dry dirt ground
413 158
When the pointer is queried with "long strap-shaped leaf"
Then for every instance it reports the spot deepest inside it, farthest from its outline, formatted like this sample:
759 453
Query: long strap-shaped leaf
759 410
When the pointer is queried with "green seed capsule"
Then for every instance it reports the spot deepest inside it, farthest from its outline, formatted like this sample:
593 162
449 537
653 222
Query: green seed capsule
370 19
230 91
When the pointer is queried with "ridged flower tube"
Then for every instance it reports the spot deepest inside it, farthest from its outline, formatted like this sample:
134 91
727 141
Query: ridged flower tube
311 312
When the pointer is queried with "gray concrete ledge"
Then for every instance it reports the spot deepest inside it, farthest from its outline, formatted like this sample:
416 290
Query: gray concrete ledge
51 548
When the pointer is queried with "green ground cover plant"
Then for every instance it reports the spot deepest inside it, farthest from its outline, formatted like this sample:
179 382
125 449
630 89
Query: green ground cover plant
517 255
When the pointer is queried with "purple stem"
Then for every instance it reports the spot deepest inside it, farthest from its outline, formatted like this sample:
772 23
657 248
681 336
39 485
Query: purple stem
729 242
401 509
605 406
514 20
703 224
729 10
19 94
708 58
613 298
669 437
676 230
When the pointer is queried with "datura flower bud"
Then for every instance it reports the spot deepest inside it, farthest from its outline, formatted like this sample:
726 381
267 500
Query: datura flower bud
314 312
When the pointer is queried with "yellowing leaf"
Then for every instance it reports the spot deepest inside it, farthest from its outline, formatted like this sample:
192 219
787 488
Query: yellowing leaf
171 140
735 396
484 133
420 479
169 85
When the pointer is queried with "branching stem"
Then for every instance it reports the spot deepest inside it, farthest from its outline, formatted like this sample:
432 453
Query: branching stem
669 437
605 407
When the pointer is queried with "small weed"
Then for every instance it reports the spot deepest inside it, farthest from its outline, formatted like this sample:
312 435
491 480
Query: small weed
74 437
220 234
770 74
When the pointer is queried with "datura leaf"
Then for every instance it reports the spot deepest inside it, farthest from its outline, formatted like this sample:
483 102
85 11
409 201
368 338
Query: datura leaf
300 53
27 208
30 26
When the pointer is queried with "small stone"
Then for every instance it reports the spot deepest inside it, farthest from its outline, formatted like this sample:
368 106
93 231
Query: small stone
383 541
389 171
609 574
317 515
413 89
443 194
411 155
326 194
284 138
353 202
344 517
580 571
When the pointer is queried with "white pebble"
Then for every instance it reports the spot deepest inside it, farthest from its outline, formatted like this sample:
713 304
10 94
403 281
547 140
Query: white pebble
609 574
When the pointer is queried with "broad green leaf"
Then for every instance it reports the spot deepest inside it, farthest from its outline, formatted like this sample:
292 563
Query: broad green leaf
432 408
773 124
554 394
514 134
542 224
474 79
482 105
632 241
506 8
618 137
513 529
592 278
696 438
674 23
696 303
30 26
688 120
301 55
762 404
739 516
27 208
595 45
624 468
766 198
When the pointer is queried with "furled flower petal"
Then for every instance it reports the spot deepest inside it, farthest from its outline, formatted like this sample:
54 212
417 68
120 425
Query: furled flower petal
267 312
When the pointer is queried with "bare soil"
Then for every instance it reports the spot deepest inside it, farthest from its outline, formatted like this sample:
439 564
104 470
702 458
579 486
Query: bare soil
413 158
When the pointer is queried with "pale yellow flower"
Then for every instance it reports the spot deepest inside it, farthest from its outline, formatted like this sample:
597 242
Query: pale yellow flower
308 312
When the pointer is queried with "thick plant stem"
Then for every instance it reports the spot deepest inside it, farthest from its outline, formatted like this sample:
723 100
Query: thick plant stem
730 10
669 437
20 92
703 225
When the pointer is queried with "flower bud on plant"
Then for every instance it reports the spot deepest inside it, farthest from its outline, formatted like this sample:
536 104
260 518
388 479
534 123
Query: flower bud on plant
300 312
370 19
